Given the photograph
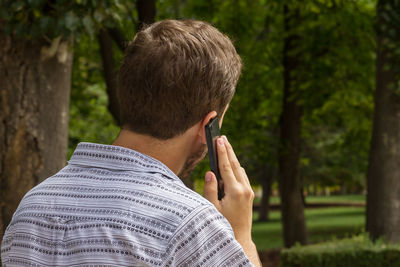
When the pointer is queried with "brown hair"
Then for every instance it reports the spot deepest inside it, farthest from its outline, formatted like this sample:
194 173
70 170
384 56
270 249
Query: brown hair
173 74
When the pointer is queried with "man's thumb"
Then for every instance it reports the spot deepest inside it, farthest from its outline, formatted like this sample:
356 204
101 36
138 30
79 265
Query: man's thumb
211 188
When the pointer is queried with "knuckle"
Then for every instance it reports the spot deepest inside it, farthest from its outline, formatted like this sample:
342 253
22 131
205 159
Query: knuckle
221 150
248 193
226 167
229 147
237 192
236 164
251 194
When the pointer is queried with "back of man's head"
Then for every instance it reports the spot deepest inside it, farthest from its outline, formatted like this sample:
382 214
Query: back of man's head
173 74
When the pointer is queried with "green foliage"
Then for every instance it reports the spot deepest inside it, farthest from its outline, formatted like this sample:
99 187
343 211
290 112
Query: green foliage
251 121
90 120
38 18
336 83
356 251
388 31
336 80
337 86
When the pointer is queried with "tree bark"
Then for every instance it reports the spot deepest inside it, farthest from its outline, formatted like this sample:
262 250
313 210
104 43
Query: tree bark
266 183
109 73
146 12
383 198
34 96
118 38
292 208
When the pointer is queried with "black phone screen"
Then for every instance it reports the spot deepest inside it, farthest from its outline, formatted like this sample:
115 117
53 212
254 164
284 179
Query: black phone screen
212 133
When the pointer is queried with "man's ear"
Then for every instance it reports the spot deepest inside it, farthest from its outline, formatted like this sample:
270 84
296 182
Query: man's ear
203 123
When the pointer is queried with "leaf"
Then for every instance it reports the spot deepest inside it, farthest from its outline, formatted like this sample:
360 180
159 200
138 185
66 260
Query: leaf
36 13
88 24
98 16
46 23
35 3
71 21
17 5
4 14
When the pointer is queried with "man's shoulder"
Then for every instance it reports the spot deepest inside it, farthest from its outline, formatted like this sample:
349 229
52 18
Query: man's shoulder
85 194
140 211
134 189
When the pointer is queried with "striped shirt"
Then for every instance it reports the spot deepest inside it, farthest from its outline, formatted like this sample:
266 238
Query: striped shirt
113 206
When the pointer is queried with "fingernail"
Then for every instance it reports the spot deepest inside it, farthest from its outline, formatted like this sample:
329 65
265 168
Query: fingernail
208 177
226 139
220 141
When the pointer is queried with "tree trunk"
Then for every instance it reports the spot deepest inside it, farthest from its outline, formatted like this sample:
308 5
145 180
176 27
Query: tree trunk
146 12
109 72
34 110
294 226
266 182
118 38
383 199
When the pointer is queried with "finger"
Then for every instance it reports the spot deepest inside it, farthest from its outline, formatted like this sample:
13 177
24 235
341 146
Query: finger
211 188
238 171
224 165
246 178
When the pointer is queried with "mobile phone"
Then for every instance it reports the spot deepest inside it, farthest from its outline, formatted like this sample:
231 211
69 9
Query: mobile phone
212 133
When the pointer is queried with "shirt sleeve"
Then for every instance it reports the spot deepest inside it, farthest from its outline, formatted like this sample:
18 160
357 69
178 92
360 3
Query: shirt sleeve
205 238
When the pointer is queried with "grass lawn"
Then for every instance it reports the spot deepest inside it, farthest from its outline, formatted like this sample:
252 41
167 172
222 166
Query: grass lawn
322 223
326 199
336 198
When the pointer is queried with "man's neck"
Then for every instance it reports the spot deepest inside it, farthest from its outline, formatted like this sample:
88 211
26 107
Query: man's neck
172 152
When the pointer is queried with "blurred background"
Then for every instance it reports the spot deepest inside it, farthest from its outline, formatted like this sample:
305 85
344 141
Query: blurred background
314 121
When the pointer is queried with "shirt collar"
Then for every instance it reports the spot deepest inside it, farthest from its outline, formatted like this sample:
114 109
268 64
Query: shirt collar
118 158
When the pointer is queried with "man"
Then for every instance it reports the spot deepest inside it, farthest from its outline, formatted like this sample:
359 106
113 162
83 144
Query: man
123 204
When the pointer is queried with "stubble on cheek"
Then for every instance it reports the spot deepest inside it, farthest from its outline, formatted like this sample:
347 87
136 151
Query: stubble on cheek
192 161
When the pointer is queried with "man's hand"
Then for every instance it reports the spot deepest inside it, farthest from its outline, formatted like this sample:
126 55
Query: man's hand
237 204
